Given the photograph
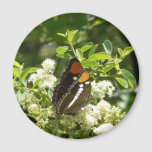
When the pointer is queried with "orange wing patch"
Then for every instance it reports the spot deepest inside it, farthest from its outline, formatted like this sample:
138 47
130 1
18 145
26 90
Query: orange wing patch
84 77
76 68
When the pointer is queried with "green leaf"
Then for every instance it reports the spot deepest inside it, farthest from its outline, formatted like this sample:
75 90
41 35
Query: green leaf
127 50
37 95
122 82
131 79
33 115
79 54
107 46
89 43
93 49
61 127
100 56
108 67
117 67
16 73
62 49
16 64
50 93
97 22
27 71
43 112
72 133
21 95
48 39
120 51
130 84
64 56
86 47
24 82
36 83
89 63
61 34
71 34
60 55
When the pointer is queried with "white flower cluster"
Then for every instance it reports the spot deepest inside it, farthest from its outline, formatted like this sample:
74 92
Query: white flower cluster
34 108
48 65
30 98
114 115
92 115
103 107
88 116
98 118
45 74
103 128
102 88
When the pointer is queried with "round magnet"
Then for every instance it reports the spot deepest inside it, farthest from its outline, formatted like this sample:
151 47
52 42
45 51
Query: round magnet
75 76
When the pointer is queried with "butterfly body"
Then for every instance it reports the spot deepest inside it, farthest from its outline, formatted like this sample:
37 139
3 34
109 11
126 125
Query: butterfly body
73 91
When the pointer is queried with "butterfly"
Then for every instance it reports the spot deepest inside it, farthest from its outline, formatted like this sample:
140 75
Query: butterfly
73 91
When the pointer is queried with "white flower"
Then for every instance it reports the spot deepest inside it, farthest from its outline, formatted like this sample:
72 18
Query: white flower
30 98
50 111
32 78
103 106
45 74
100 89
34 108
48 80
93 111
48 65
40 73
35 76
103 128
42 123
91 120
88 116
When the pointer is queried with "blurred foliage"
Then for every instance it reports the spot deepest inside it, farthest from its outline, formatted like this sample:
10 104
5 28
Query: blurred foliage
43 41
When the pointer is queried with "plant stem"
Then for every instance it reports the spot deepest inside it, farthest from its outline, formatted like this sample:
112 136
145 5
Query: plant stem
72 48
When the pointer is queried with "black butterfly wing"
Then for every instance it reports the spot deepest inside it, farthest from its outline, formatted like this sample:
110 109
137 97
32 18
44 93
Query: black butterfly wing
68 79
80 101
75 98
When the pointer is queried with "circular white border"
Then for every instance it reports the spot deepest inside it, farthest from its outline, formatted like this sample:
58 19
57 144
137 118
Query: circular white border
18 18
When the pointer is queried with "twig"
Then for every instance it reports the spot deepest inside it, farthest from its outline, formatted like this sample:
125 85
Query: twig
122 91
72 48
